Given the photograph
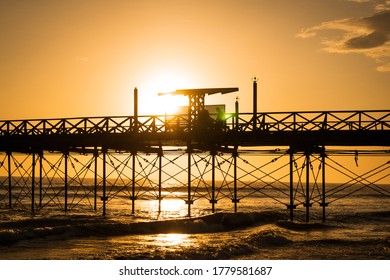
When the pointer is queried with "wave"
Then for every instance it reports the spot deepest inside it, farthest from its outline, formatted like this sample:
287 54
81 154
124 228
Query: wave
301 226
223 235
87 226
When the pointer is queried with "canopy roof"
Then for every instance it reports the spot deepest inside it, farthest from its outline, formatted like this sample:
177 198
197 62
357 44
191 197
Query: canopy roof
200 91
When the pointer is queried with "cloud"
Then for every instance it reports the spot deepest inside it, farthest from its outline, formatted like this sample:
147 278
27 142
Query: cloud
383 6
380 5
366 35
359 1
384 68
372 40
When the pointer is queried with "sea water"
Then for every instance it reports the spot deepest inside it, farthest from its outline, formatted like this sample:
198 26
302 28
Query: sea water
356 227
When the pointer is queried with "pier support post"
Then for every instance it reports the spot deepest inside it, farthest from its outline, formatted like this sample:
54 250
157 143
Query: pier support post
235 199
104 198
307 201
291 207
66 155
96 155
33 183
160 154
189 201
213 201
9 155
40 179
133 155
323 202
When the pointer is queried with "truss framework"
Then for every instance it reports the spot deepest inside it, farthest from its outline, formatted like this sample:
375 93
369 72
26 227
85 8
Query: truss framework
81 164
91 182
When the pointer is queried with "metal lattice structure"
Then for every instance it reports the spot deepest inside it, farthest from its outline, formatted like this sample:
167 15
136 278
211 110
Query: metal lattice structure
81 164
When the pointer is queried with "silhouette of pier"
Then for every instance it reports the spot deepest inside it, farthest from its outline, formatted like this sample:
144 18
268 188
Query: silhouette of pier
136 156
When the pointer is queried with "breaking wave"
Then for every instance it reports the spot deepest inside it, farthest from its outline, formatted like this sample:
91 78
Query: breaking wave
84 226
266 234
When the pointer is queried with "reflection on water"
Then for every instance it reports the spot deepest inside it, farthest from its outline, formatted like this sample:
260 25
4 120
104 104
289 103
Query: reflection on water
172 239
357 227
170 208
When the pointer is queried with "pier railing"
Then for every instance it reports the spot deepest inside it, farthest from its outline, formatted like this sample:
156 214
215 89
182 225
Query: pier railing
314 121
245 122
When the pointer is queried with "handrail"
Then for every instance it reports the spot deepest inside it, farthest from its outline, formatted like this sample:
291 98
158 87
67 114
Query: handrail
268 122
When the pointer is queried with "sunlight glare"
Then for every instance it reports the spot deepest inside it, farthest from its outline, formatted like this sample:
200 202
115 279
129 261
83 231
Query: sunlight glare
173 239
172 205
163 82
171 103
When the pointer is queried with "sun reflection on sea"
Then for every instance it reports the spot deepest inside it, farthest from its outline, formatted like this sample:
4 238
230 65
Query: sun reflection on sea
172 240
170 208
172 205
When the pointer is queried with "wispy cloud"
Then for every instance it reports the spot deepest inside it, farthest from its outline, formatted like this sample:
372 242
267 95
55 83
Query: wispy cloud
366 35
383 6
359 1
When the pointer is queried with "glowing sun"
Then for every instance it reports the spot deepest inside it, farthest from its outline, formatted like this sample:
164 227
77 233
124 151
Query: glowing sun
164 82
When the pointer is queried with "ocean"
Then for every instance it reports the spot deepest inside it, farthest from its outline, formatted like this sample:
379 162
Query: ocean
357 227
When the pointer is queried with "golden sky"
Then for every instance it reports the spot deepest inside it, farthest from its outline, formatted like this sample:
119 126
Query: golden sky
72 58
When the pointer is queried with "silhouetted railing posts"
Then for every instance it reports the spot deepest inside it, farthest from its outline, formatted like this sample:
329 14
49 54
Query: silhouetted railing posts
254 118
135 109
279 121
235 123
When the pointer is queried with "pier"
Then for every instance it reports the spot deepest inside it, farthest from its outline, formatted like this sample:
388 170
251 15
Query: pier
88 162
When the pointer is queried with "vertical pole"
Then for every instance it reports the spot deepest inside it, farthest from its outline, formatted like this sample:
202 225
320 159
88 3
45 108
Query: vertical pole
133 154
95 154
254 118
189 179
66 180
33 183
40 179
291 206
213 201
135 109
235 200
104 181
236 114
160 154
307 203
323 204
9 154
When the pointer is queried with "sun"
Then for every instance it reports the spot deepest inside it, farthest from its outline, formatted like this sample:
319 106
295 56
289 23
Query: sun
163 82
172 103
